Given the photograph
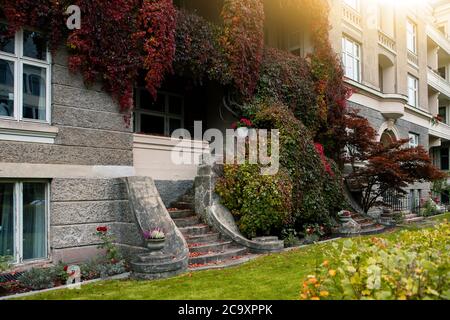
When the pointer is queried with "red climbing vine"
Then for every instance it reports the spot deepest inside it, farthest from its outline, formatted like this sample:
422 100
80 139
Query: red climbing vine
157 22
243 41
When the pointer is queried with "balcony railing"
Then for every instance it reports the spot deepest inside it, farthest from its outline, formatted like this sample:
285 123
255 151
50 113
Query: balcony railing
386 41
413 58
351 16
438 83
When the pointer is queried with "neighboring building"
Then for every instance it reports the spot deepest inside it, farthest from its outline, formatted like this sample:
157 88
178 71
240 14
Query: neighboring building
396 57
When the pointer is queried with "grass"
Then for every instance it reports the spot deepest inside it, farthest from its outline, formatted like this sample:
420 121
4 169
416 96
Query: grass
271 277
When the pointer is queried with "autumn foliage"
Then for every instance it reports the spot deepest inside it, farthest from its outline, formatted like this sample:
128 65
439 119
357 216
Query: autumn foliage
379 168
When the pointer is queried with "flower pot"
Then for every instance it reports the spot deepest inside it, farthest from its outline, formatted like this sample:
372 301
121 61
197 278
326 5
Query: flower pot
155 244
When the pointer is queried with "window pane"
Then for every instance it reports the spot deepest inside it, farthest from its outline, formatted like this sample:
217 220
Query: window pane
444 159
147 102
6 88
6 219
34 224
174 124
34 45
175 105
6 41
152 124
34 92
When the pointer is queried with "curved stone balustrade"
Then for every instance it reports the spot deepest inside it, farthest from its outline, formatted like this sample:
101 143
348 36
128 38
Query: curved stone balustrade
150 213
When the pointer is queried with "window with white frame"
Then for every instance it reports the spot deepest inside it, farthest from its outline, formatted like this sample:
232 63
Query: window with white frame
411 34
413 91
24 76
160 117
413 140
353 4
351 58
23 220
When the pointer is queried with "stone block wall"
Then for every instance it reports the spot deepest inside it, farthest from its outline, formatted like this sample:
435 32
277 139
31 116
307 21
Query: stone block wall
91 129
78 207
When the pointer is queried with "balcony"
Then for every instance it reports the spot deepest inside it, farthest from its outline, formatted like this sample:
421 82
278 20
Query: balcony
413 59
438 83
438 38
351 16
386 42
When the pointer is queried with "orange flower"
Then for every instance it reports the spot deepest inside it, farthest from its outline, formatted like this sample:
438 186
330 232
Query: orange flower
332 272
324 293
325 263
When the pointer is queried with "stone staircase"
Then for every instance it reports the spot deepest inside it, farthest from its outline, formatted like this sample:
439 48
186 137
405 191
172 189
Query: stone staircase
368 225
207 249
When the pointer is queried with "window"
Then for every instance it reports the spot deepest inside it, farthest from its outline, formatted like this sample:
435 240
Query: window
413 91
295 43
444 159
353 4
413 140
24 76
23 220
411 33
351 59
160 117
443 114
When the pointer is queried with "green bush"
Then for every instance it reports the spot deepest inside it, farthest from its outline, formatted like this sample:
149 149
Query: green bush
5 263
317 195
414 266
261 204
429 209
38 278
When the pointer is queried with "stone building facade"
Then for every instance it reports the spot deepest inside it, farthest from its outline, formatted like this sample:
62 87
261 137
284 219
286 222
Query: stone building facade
396 58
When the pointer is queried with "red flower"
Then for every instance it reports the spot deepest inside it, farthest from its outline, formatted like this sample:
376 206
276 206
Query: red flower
102 229
65 268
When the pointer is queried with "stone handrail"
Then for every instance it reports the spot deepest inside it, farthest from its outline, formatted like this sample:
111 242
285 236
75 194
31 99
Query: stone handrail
351 16
386 41
207 205
150 212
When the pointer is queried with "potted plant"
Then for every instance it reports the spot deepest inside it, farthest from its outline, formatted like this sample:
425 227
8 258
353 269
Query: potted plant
155 239
345 216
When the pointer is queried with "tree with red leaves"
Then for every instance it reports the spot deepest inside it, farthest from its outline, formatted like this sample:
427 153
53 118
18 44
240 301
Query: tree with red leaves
378 168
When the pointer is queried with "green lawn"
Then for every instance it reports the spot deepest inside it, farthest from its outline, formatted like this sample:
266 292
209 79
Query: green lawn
275 276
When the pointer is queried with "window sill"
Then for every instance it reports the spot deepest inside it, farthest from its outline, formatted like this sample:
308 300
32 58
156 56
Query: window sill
27 132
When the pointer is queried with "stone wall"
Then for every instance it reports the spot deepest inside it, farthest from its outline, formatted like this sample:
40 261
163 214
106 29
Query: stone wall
78 207
91 129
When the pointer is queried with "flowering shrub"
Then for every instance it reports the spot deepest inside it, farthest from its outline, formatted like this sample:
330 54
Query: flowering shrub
244 122
298 156
414 266
107 243
156 233
261 204
313 232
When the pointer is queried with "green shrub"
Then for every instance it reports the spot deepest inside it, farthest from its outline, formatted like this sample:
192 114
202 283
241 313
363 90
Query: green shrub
429 209
317 194
5 263
38 278
261 204
414 266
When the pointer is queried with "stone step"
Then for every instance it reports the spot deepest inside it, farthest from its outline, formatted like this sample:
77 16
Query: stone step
186 222
183 205
235 261
213 246
410 216
265 239
203 238
178 214
367 225
412 220
194 230
377 228
212 257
